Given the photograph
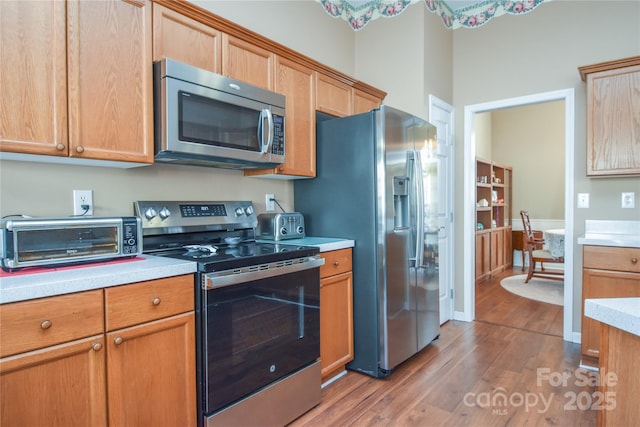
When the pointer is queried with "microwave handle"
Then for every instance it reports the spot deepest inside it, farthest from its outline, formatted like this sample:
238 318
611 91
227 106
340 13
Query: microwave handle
265 113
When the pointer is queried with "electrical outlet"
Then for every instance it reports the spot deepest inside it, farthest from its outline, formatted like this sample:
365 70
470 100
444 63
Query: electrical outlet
583 200
269 202
83 202
628 200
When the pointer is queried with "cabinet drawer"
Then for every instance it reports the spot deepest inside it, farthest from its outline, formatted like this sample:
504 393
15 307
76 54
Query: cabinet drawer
612 258
141 302
29 325
336 262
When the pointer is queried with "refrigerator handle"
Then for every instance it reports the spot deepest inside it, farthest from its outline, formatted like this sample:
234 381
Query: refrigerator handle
419 191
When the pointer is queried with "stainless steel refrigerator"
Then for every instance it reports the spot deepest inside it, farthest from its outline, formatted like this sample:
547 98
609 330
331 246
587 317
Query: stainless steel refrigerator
377 184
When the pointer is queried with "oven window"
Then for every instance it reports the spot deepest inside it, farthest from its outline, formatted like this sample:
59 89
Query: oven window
259 332
207 121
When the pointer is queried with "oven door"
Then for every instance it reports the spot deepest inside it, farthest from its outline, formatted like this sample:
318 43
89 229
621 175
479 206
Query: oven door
259 326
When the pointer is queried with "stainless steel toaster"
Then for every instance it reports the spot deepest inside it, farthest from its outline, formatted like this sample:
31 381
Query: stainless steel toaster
280 226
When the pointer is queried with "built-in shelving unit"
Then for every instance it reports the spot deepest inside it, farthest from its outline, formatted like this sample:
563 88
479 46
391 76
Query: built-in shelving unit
493 217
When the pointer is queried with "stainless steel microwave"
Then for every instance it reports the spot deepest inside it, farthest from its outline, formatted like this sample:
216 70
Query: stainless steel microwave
46 242
206 119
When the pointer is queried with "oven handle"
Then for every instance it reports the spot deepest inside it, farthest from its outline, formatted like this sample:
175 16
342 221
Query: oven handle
247 274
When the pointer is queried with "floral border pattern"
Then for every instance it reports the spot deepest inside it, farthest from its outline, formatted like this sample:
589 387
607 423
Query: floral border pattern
359 13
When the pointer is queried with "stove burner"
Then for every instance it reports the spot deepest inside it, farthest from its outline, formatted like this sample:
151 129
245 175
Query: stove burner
200 251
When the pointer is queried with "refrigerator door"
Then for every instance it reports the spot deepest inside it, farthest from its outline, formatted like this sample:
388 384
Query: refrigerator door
427 266
398 314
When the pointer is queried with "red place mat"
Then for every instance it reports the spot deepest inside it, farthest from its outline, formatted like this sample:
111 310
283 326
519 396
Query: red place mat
38 270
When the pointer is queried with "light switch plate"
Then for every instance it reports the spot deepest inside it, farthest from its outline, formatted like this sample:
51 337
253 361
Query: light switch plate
583 200
628 200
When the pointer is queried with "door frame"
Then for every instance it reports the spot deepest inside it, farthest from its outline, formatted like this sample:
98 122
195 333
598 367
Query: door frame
469 150
435 102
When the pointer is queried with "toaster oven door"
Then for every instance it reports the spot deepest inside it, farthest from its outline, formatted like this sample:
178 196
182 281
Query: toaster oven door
48 246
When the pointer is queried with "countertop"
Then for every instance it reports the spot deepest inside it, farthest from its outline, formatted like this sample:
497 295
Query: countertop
323 243
621 313
47 282
611 233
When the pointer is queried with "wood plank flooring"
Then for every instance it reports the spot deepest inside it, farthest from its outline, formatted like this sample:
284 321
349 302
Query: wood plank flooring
496 305
480 373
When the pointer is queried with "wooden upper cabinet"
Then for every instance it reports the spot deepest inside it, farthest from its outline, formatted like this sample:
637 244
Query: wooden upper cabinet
297 83
110 80
247 62
33 104
613 117
363 102
333 96
186 40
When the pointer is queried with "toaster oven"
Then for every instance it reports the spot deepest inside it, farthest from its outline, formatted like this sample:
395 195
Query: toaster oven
45 242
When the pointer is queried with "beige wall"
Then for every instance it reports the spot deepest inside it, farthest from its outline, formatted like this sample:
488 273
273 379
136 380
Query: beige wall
409 57
540 52
530 139
481 135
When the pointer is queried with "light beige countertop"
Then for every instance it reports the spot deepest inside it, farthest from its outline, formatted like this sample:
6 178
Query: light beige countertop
621 313
41 283
611 233
323 243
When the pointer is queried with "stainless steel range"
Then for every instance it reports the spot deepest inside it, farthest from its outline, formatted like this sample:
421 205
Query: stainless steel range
257 311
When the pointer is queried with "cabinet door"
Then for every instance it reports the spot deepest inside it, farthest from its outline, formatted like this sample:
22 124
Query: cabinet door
603 284
110 80
483 255
497 250
63 386
247 62
613 120
297 83
151 373
363 102
336 322
33 104
181 38
333 96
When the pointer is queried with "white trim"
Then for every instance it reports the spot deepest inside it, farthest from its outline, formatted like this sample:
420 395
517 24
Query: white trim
469 150
442 105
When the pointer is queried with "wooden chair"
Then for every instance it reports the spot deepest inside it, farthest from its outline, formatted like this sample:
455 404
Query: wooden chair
533 247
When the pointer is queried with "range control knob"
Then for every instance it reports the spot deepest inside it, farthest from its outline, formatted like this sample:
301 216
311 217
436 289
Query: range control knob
239 211
248 210
150 213
164 213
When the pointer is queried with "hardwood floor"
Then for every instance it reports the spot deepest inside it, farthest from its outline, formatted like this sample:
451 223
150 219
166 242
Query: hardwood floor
478 373
496 305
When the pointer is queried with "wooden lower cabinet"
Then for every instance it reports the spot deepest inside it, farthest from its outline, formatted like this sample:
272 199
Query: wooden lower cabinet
608 272
619 385
151 373
63 385
336 312
118 356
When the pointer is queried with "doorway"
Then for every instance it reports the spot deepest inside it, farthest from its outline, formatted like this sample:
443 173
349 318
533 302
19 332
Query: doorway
469 197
